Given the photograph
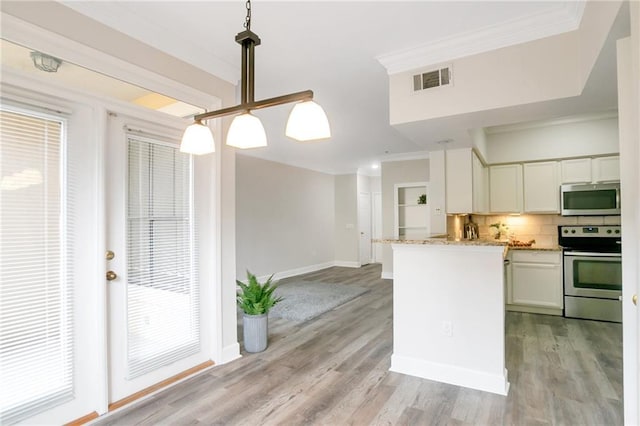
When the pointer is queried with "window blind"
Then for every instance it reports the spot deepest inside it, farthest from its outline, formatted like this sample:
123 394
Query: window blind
36 336
162 283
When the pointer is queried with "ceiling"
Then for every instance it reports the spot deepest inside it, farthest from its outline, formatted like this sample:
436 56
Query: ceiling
333 49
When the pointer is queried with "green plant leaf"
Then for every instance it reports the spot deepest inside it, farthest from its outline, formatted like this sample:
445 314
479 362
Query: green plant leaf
255 298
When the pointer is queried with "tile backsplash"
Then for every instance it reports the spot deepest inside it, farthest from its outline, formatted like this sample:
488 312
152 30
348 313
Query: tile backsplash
541 227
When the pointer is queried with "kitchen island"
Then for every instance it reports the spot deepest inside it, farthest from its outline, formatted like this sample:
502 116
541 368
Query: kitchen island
448 311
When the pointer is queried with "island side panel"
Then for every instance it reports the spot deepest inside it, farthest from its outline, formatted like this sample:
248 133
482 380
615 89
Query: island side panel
450 289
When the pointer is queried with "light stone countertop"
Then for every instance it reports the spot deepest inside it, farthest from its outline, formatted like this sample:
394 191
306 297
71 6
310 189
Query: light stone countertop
443 239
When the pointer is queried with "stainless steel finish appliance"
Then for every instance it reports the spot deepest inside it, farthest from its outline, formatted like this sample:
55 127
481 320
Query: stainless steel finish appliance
592 271
600 199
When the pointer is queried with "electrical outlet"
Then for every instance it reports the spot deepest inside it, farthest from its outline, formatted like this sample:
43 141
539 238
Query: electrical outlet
447 328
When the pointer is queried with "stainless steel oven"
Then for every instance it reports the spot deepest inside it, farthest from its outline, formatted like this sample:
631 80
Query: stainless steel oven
592 272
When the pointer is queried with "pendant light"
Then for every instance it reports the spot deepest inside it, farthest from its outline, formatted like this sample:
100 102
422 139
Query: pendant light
307 121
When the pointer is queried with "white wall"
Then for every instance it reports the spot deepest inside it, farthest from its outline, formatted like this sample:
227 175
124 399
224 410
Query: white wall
568 138
542 70
284 218
347 238
394 172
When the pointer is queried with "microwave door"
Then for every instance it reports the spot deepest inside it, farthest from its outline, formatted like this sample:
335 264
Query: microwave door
590 200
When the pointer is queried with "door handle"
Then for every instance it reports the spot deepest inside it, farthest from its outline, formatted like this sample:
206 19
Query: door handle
634 299
111 275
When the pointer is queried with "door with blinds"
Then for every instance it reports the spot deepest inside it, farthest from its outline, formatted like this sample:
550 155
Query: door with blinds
47 323
155 291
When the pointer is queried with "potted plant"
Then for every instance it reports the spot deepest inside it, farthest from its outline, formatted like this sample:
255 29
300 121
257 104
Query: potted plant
255 299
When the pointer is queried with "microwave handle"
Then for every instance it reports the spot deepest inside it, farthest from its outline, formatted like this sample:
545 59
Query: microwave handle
618 198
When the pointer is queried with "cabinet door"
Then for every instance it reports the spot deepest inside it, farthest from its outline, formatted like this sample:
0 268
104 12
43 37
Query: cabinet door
536 284
606 169
576 170
458 181
480 187
541 187
505 188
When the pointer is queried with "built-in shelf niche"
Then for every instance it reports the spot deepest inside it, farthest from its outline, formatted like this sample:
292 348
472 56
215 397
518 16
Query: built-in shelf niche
411 217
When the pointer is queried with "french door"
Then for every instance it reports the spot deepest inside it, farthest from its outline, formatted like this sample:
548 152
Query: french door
155 303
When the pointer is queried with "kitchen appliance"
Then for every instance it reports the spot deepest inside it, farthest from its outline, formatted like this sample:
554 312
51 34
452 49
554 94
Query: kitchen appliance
592 265
600 199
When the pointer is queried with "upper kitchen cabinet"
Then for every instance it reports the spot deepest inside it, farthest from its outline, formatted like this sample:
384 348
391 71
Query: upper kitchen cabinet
466 182
480 185
505 188
606 169
541 187
590 170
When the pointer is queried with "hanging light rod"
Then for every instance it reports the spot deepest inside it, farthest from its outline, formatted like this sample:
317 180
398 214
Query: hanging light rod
306 95
307 120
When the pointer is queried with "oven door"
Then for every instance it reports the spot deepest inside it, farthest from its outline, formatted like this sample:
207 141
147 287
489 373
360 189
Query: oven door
590 274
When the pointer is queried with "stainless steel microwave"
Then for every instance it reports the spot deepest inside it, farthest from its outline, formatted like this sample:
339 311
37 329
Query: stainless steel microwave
600 199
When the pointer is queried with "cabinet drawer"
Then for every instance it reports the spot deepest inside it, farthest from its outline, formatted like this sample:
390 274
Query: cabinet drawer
536 256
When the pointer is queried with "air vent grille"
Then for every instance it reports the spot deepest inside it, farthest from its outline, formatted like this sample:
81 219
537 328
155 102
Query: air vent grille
431 79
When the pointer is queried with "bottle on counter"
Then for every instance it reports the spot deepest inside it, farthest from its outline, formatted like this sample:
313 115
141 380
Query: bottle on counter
471 230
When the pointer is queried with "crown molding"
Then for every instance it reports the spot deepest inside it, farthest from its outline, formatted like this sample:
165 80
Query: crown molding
561 19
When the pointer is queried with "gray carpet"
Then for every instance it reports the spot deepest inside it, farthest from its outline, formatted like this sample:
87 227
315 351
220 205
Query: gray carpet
304 300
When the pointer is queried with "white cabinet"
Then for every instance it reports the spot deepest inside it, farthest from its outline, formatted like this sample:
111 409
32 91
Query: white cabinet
459 180
411 210
505 188
576 170
534 283
590 170
466 182
605 169
541 187
480 182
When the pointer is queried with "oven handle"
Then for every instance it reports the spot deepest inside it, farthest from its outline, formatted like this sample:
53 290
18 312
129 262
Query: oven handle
590 254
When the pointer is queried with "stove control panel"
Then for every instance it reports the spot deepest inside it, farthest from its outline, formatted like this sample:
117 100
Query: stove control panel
590 231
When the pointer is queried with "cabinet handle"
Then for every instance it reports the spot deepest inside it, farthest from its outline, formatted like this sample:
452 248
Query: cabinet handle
634 299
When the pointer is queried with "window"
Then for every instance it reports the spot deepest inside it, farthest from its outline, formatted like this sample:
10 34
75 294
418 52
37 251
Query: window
36 339
162 286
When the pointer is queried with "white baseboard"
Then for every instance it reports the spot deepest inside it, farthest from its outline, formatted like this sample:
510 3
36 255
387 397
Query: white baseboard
230 352
386 275
307 269
346 263
303 270
459 376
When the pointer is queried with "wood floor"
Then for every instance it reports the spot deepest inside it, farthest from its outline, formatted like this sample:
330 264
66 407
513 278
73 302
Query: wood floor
334 370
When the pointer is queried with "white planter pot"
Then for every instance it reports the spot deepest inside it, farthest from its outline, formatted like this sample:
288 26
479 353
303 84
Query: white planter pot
255 330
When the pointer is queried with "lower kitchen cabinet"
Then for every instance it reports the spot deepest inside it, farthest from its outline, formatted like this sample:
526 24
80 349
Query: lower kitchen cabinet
534 282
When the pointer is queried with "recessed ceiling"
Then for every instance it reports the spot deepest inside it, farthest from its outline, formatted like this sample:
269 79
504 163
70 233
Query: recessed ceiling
332 48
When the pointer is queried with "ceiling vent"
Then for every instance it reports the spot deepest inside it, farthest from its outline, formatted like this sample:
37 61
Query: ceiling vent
431 79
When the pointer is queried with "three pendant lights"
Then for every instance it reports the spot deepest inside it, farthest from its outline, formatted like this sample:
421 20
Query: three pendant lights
307 120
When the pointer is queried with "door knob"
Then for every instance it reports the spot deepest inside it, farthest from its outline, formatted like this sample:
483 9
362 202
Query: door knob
110 255
634 299
111 275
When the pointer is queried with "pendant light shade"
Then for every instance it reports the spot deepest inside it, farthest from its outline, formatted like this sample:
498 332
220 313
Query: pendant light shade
308 122
246 131
197 139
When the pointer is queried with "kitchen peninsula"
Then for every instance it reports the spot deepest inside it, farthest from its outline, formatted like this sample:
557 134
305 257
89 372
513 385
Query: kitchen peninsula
448 311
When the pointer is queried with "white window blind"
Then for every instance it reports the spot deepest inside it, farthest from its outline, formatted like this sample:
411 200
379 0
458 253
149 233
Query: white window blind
162 283
36 339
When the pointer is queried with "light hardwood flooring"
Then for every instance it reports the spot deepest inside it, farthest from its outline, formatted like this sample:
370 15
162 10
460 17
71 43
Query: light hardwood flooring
334 370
